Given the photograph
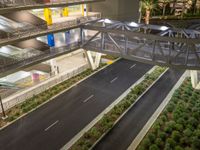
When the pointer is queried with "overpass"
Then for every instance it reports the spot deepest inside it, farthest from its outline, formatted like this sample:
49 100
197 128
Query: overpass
157 45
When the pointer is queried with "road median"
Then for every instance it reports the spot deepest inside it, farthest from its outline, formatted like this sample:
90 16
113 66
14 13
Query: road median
92 136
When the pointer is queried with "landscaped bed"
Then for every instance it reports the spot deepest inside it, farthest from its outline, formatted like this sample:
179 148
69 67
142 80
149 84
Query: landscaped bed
178 126
109 119
32 103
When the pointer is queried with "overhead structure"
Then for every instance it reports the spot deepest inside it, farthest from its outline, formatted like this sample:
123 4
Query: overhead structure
20 35
159 45
18 5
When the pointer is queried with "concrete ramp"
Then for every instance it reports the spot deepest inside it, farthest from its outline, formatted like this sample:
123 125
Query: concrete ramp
26 17
34 44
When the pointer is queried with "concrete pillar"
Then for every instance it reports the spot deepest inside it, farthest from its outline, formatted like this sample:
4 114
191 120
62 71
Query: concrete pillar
93 60
51 40
194 78
84 10
48 16
54 67
97 59
67 37
65 12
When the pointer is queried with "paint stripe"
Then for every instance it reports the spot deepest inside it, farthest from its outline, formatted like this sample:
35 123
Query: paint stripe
113 80
132 66
53 124
86 100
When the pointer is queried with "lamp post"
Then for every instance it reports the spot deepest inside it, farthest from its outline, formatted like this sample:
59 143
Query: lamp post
5 85
3 111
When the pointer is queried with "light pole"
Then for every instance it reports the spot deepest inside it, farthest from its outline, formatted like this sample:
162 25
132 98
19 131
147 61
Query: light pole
3 111
5 85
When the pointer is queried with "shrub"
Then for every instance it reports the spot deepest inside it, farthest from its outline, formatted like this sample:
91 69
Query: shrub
196 143
146 143
176 136
171 142
161 135
179 127
159 142
187 132
154 147
193 122
151 137
178 148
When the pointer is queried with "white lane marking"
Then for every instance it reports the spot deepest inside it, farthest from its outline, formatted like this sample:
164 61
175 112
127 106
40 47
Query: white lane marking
113 80
53 124
87 99
132 66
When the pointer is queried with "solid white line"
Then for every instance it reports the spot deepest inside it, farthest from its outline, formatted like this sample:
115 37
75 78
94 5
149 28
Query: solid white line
132 66
91 96
51 125
113 80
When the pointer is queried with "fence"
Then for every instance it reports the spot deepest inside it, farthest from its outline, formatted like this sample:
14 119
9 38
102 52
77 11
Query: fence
20 97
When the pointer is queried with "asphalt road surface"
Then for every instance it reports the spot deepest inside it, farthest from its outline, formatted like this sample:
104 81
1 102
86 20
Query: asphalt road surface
121 136
54 124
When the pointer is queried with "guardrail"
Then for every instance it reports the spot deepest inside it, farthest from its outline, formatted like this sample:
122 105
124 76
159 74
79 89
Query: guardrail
19 35
30 92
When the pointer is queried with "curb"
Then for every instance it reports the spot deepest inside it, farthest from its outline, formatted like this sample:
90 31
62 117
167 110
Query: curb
95 120
56 95
156 114
127 110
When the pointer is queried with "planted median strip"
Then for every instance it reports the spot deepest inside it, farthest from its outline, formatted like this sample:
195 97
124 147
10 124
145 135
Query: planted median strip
32 103
178 126
108 120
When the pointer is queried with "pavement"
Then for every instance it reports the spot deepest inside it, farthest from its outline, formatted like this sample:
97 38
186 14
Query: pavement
53 125
122 135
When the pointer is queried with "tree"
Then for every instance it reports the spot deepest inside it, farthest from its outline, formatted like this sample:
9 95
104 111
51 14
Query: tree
164 4
148 6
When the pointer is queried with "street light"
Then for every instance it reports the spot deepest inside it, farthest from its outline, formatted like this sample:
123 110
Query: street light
6 85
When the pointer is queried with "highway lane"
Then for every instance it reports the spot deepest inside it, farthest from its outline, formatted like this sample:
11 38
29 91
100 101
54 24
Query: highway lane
55 123
121 136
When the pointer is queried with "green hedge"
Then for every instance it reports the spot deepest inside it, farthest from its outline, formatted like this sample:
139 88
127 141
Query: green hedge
108 120
31 103
178 126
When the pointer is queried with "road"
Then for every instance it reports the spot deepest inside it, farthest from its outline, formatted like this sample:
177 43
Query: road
121 136
53 125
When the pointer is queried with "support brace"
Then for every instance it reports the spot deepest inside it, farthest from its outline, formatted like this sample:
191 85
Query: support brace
54 66
95 60
195 79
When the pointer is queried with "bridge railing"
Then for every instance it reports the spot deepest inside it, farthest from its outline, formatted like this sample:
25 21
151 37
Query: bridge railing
176 48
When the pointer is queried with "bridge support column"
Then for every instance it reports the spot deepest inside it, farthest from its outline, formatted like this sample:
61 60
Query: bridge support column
65 12
48 16
195 79
94 59
54 67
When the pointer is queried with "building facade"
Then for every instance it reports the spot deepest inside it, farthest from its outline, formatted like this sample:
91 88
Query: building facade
124 10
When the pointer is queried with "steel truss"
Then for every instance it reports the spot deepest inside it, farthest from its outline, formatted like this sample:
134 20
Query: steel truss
160 45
